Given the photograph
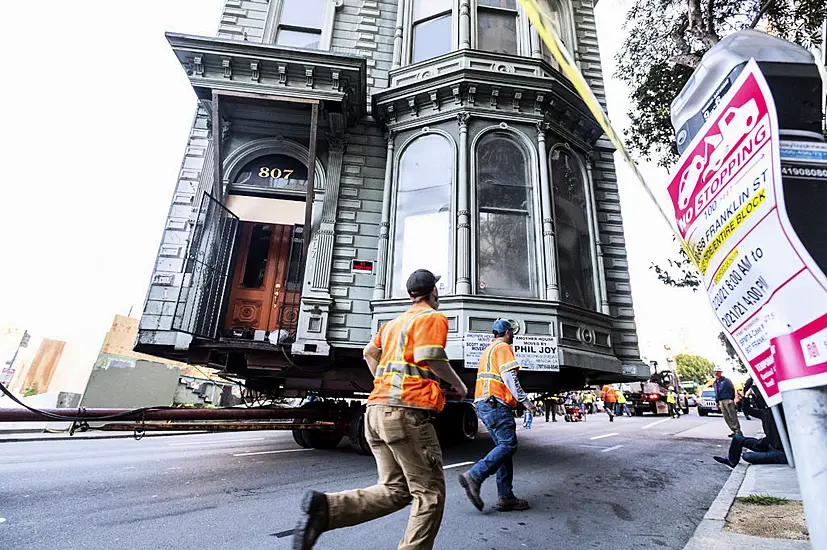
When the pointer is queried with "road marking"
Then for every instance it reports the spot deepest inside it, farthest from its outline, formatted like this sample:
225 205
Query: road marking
655 423
2 520
611 448
602 436
457 465
272 452
191 443
176 468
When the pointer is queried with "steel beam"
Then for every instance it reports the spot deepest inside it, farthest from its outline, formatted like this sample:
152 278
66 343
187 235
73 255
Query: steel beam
182 414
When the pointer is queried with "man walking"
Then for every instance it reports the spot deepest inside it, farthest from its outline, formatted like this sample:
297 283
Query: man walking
496 395
672 403
406 357
550 405
725 397
621 407
609 397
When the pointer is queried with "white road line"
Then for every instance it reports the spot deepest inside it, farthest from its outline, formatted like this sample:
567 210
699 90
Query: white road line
611 448
2 520
457 465
655 423
272 452
602 436
220 442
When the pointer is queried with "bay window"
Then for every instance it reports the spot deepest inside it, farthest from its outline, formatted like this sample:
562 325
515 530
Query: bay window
497 26
423 235
432 26
506 261
574 257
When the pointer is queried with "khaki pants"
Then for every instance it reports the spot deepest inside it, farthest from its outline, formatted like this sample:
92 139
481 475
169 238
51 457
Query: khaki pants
409 461
730 415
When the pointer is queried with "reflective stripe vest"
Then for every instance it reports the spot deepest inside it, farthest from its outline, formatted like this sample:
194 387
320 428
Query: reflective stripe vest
621 398
670 397
608 394
497 359
403 377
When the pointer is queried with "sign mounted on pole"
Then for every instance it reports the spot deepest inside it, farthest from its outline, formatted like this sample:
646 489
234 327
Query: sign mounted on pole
728 201
534 353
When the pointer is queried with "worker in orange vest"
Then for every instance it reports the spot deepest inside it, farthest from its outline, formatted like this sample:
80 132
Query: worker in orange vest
406 357
609 396
496 395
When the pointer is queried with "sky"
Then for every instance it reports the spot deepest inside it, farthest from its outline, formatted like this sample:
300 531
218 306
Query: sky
93 134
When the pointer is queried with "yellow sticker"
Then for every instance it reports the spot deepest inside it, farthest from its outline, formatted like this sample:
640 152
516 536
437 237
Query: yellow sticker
725 266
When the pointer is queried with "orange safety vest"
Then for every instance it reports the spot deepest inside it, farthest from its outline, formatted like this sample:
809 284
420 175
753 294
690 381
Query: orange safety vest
609 394
497 359
403 377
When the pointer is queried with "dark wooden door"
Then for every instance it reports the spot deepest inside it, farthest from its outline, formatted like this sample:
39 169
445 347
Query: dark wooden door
259 279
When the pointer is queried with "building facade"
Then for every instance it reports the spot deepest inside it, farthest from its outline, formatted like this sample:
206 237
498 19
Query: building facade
403 134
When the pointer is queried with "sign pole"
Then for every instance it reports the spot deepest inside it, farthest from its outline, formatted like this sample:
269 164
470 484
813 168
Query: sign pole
782 433
808 434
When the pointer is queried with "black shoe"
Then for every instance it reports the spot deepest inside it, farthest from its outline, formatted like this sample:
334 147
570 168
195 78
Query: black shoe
723 460
313 523
472 490
611 418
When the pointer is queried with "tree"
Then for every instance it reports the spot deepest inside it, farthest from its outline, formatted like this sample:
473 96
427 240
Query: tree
734 359
665 41
694 367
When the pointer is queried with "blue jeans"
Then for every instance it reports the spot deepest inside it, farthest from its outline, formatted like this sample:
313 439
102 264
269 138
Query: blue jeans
761 452
499 421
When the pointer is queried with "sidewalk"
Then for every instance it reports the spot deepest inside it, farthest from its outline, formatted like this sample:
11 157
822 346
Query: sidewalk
745 480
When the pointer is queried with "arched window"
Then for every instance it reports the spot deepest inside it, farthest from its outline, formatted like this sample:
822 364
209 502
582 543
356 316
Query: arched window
506 261
271 174
497 26
423 236
559 23
573 236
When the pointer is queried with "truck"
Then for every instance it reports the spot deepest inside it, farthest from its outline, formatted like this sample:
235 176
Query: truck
316 179
650 396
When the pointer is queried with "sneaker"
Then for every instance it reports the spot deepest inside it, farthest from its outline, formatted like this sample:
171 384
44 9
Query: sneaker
731 435
472 489
723 460
508 504
314 521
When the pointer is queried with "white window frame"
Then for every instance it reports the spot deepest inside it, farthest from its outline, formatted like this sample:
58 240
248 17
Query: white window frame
407 54
271 27
523 32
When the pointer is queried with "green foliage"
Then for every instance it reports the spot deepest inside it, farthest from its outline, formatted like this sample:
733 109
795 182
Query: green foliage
762 500
665 41
694 367
734 359
28 392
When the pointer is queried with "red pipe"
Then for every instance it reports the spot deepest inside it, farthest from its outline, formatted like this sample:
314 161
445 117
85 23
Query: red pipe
24 415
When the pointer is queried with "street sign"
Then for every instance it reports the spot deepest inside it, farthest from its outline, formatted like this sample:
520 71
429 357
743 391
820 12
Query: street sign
728 204
535 353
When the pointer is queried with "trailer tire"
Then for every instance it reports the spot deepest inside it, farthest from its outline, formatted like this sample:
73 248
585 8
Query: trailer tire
356 434
702 413
638 412
298 437
321 439
457 423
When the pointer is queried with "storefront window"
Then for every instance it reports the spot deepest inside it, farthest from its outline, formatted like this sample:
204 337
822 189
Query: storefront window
573 235
506 261
423 236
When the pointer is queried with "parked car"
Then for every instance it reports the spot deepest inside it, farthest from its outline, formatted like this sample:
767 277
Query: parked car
707 403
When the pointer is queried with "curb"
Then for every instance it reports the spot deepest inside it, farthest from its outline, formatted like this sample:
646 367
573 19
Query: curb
15 438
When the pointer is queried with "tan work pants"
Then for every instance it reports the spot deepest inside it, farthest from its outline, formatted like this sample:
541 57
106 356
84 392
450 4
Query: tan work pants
730 415
409 461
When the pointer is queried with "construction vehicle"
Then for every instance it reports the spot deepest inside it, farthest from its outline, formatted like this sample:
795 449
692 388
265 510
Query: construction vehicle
650 396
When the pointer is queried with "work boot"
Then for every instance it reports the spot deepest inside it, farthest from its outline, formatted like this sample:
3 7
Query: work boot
611 418
313 523
509 503
472 489
723 460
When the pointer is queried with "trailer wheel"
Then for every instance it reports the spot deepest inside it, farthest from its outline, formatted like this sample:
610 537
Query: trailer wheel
638 412
457 423
298 437
321 439
356 433
702 413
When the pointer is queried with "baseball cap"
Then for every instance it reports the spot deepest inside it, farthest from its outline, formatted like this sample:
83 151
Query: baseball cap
500 326
421 282
718 369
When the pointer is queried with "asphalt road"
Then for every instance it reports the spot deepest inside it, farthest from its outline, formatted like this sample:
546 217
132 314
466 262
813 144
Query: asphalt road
628 484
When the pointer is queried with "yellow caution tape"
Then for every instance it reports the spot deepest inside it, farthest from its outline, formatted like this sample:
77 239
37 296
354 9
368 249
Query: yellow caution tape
537 13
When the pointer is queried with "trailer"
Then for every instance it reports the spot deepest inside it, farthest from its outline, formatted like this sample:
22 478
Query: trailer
315 180
650 396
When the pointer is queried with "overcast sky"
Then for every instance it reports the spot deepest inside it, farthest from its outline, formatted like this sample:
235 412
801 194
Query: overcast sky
96 112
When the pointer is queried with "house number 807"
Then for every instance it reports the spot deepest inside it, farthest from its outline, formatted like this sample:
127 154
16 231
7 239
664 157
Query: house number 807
275 173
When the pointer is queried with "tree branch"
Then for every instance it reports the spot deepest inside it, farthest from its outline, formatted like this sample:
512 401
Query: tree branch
710 18
764 7
687 60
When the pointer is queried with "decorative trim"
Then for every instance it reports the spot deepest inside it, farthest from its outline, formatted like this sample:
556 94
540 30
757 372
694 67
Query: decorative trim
251 150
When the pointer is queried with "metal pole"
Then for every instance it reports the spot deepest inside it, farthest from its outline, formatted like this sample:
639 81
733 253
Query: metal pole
782 432
311 181
807 411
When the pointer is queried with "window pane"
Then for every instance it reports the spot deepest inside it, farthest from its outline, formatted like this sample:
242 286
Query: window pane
295 268
298 39
302 13
431 38
423 238
505 233
573 235
256 265
497 31
507 4
426 8
272 172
